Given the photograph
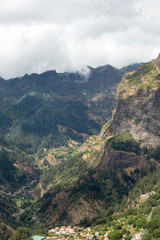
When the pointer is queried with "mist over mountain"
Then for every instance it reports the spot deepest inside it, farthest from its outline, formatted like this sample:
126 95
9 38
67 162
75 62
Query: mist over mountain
64 151
107 166
45 110
79 120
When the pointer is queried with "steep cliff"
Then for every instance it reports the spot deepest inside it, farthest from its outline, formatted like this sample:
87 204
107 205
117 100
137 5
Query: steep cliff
134 133
42 119
138 104
108 165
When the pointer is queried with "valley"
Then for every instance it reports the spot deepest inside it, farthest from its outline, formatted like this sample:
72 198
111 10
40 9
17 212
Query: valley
73 164
79 120
43 120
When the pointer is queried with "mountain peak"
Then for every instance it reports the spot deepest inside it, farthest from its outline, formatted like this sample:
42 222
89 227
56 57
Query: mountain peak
137 105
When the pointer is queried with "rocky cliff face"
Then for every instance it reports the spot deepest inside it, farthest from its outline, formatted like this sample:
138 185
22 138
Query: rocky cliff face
136 122
138 104
124 151
41 112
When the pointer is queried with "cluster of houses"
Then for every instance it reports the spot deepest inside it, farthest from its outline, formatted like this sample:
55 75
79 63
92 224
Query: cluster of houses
69 231
78 233
81 233
75 232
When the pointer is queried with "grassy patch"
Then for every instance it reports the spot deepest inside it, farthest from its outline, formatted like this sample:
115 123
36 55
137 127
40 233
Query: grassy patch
124 142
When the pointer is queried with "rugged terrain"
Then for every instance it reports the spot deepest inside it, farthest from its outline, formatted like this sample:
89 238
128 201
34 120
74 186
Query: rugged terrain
43 120
138 104
111 181
39 112
46 175
106 166
47 110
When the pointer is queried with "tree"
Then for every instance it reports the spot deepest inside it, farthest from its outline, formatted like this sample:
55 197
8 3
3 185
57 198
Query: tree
21 233
116 235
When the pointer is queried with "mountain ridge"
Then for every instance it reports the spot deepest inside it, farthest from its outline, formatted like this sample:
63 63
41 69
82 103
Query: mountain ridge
41 121
115 152
65 99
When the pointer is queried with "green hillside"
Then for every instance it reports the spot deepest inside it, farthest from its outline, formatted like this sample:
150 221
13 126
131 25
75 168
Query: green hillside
104 169
44 168
46 110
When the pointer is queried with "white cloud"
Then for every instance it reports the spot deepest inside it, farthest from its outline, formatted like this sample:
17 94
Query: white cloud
67 35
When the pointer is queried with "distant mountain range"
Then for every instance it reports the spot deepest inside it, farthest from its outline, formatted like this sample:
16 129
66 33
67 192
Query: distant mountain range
43 120
44 110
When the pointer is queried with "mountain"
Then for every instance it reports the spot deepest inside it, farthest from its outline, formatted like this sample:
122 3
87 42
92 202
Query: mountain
44 118
111 181
138 104
50 110
46 110
107 166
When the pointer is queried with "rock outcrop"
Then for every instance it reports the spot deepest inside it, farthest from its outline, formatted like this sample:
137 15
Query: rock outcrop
137 114
138 104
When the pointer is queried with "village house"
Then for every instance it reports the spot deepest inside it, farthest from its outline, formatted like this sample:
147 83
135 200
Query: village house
63 228
51 230
62 231
51 238
96 234
37 237
76 227
137 236
57 229
89 236
88 229
83 235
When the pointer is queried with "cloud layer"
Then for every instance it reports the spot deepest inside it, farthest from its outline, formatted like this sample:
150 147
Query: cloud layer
68 35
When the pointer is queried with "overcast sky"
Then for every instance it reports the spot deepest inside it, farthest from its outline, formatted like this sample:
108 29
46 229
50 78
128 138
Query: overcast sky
67 35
